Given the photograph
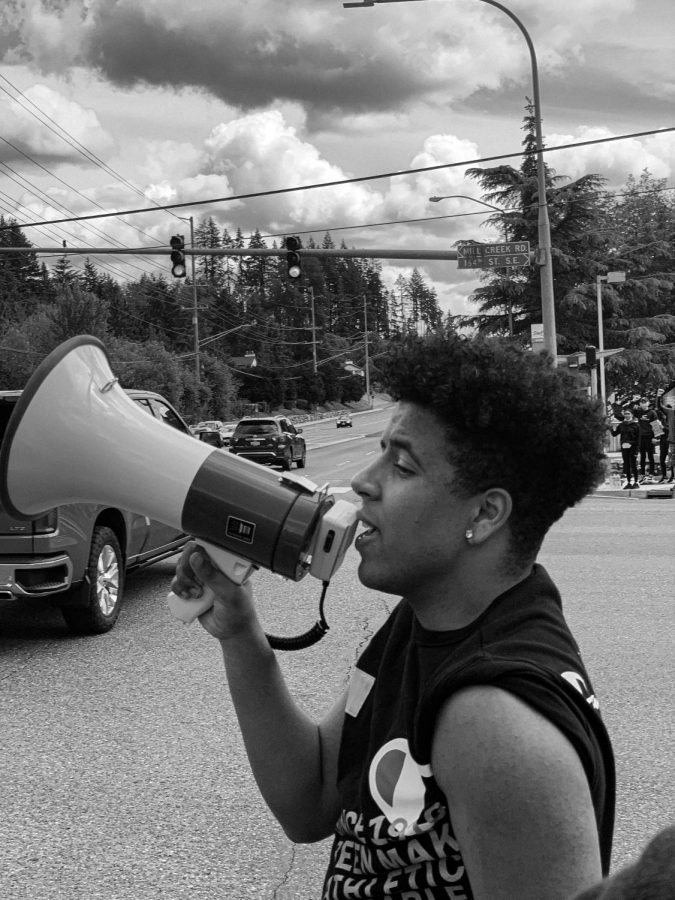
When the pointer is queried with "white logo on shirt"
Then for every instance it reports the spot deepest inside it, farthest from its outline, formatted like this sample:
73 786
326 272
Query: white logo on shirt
396 785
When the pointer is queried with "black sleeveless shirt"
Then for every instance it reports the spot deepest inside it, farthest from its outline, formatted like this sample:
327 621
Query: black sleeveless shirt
394 837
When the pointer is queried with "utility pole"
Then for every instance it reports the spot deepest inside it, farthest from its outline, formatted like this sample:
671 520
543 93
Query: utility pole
195 317
311 295
365 339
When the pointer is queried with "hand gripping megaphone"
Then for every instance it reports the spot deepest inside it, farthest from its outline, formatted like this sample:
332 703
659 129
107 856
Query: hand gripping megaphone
76 436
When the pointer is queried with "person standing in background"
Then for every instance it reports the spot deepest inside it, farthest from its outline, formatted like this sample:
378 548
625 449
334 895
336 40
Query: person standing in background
628 432
666 406
645 416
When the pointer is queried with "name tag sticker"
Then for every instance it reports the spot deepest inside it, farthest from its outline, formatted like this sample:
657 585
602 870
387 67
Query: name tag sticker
359 688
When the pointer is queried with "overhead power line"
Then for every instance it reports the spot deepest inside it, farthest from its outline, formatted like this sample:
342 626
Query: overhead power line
355 180
64 135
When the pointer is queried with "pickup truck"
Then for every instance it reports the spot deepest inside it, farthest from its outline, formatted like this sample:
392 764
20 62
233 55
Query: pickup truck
77 556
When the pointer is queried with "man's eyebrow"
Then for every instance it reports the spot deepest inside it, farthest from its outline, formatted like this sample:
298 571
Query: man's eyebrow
406 444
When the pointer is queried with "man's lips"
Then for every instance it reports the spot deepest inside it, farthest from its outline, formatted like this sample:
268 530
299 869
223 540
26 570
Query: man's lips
366 531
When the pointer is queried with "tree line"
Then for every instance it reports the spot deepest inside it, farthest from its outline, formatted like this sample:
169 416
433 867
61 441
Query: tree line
302 333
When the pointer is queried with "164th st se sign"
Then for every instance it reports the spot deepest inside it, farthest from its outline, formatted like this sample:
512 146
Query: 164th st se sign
493 256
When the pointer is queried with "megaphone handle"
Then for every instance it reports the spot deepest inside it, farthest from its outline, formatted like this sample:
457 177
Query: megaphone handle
236 568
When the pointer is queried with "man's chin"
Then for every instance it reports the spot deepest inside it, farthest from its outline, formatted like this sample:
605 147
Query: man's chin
376 580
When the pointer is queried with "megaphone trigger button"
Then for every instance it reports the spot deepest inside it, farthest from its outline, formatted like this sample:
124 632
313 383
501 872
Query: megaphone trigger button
109 385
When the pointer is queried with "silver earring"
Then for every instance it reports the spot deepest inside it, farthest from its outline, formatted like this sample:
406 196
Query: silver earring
468 534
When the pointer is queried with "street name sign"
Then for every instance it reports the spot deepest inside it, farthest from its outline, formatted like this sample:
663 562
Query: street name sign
493 256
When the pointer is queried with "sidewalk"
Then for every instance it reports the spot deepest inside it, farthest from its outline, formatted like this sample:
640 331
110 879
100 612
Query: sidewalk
651 491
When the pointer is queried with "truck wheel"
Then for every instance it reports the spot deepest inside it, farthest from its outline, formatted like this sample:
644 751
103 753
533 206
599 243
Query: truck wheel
100 594
287 461
301 461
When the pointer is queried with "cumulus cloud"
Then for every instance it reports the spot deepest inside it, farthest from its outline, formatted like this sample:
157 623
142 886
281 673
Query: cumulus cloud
313 52
616 160
300 81
30 124
261 152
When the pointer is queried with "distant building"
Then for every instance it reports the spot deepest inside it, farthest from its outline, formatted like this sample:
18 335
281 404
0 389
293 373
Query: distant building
353 369
248 361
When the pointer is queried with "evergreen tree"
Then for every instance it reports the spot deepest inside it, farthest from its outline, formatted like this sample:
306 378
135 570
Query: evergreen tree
423 303
638 314
22 287
510 300
77 311
63 272
209 269
229 265
254 268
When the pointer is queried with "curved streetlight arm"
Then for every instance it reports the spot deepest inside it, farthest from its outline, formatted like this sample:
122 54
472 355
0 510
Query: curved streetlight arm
464 197
475 200
543 224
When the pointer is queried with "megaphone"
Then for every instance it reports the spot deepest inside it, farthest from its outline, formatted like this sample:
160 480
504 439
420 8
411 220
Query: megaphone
76 436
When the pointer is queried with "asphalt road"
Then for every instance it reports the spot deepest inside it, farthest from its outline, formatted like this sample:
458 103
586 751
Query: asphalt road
122 773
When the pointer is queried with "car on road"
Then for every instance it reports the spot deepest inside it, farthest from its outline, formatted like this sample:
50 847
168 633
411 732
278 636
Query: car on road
226 432
344 420
270 440
209 425
77 556
214 438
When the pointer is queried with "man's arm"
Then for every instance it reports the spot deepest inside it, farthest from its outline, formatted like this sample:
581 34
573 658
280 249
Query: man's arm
294 759
518 797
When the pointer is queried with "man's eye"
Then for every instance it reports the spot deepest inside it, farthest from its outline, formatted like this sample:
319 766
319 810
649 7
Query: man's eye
403 469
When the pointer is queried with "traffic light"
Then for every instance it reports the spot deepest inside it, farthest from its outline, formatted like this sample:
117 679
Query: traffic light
591 356
293 264
178 269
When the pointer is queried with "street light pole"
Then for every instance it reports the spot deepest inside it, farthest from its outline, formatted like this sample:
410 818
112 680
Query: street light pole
610 278
311 295
365 340
544 259
195 317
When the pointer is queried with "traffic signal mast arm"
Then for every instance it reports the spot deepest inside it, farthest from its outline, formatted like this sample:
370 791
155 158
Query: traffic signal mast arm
319 252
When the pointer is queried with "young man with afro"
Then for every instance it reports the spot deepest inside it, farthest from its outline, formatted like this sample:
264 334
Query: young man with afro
467 758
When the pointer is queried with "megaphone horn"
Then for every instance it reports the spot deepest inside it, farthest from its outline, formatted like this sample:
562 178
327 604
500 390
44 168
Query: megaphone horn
76 436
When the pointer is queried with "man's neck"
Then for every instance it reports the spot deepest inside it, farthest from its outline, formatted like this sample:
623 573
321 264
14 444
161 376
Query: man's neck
465 600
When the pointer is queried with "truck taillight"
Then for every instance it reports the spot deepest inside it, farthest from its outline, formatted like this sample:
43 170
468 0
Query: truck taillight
46 523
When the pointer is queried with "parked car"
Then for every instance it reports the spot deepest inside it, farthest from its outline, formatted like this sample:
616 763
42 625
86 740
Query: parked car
214 438
77 556
214 426
344 420
271 440
226 432
210 425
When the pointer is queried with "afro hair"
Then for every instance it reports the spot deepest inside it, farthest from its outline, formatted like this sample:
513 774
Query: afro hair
511 420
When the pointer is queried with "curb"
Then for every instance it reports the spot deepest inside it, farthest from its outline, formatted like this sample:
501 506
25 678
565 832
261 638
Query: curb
647 492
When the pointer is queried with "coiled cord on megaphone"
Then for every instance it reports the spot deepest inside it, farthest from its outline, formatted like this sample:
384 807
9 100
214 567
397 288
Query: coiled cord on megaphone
302 641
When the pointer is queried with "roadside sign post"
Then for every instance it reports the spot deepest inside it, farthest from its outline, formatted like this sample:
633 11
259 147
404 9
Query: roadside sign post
472 255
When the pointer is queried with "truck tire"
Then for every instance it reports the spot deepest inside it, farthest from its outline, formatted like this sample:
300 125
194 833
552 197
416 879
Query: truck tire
99 597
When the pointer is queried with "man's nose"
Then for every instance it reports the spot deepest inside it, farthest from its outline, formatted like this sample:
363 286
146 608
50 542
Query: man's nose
361 482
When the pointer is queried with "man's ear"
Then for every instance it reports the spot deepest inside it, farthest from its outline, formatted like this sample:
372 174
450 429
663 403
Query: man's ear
492 513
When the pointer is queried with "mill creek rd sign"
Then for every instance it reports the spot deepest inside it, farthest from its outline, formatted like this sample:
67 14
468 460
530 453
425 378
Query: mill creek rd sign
493 256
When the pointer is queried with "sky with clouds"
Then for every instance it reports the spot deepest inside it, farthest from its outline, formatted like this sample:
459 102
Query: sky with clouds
110 105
